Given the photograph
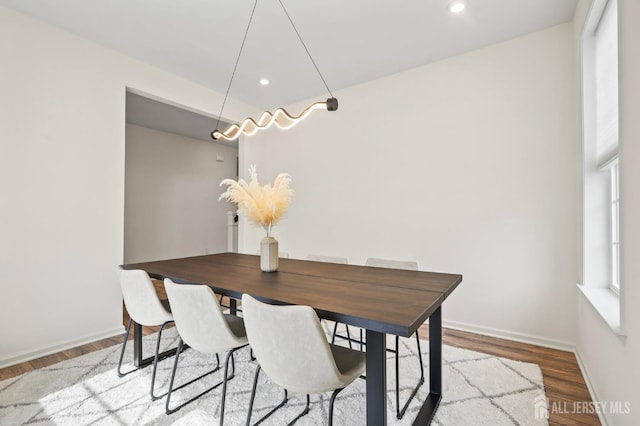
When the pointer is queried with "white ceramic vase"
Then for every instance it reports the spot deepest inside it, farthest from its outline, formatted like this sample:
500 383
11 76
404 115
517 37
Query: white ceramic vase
269 254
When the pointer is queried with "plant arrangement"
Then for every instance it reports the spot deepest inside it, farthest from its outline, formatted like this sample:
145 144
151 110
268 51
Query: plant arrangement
263 205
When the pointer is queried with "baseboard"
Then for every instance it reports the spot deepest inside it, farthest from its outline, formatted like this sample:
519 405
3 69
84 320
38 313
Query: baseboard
510 335
590 388
62 346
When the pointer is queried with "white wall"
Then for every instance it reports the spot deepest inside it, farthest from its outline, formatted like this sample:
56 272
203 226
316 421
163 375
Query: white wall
171 195
467 165
62 135
611 362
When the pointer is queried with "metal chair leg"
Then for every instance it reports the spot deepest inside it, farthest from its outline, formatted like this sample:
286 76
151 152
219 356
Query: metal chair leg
420 355
333 399
156 357
283 402
124 345
304 412
400 412
348 337
233 363
155 362
253 396
224 383
398 377
169 410
173 376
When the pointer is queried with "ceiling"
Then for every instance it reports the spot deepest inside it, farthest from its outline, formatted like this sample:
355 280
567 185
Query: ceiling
351 41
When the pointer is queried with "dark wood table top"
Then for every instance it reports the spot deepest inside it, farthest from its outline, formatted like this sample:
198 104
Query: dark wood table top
390 301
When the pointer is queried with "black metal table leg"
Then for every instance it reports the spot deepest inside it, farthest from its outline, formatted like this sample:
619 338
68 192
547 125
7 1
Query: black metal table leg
233 306
138 360
376 378
428 410
137 344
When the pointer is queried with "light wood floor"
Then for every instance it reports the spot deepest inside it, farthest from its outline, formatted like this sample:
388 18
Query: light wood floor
562 378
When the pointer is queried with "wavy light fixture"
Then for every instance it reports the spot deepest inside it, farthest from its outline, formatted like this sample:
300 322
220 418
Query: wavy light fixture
280 117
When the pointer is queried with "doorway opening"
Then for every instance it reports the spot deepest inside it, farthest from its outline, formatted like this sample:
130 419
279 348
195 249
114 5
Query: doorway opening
172 174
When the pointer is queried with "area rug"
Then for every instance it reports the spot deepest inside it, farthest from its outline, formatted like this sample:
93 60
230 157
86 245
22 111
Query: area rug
478 389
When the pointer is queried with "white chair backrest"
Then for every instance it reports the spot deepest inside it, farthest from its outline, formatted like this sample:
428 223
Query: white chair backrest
199 320
392 264
327 259
290 346
141 299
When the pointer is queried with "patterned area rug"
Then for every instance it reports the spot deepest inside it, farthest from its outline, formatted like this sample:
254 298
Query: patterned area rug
478 390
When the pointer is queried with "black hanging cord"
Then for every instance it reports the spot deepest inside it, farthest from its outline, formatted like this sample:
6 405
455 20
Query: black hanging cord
237 60
305 47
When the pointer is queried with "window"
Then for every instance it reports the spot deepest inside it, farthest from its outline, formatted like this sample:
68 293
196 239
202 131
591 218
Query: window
606 83
601 281
615 229
606 104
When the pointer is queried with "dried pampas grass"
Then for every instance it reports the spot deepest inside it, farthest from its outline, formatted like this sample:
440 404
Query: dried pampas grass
263 205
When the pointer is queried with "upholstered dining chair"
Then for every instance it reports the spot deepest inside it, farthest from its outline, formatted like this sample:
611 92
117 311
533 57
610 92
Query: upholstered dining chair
409 265
393 264
327 259
291 347
145 308
202 325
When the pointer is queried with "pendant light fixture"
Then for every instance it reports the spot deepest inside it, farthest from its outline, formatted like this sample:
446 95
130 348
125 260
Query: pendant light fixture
280 117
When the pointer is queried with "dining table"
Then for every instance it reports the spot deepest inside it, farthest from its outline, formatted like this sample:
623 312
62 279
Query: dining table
381 301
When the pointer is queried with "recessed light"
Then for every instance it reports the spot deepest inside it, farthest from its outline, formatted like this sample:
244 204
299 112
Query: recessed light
264 81
457 6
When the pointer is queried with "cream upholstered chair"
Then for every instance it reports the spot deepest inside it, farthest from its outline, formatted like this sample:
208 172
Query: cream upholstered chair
291 347
392 264
327 259
145 308
202 325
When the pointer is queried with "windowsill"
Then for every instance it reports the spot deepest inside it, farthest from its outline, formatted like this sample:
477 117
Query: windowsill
607 303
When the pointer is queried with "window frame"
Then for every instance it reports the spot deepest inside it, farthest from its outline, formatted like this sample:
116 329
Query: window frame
614 176
598 220
608 116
